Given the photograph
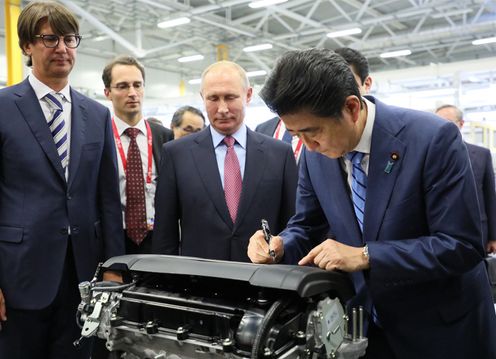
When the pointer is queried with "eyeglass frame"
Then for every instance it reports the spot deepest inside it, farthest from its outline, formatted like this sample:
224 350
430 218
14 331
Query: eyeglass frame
126 86
42 37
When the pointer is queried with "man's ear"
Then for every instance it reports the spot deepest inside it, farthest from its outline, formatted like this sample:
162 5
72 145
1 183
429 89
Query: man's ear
352 105
106 92
367 84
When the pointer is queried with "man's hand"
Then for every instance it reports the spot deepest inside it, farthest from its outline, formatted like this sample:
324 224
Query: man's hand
258 248
3 309
332 255
491 247
112 276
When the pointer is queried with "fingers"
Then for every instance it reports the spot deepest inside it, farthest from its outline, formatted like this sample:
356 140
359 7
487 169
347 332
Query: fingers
258 249
112 276
3 309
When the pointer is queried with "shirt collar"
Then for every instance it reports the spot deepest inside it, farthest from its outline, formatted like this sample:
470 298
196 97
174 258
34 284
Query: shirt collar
239 136
41 90
123 126
366 139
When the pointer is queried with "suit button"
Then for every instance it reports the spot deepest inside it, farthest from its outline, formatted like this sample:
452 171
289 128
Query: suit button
64 231
69 197
75 230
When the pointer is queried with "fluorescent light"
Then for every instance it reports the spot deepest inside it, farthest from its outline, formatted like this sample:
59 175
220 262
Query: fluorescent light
385 55
257 47
348 32
264 3
101 38
194 81
191 58
174 22
487 40
256 73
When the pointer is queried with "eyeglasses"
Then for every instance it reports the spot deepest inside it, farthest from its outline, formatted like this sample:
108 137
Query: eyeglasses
121 87
51 41
190 129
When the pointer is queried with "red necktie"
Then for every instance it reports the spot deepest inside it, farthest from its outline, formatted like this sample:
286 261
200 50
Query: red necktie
135 191
232 178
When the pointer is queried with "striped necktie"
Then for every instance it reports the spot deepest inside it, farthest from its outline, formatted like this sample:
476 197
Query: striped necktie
358 185
57 126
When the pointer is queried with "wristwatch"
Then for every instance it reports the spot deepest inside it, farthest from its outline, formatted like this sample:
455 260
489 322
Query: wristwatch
365 252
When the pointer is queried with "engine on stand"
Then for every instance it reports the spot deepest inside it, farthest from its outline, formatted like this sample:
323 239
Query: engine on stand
179 307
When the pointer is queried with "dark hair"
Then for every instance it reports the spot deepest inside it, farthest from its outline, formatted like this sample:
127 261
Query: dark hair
315 80
36 14
356 60
177 118
120 60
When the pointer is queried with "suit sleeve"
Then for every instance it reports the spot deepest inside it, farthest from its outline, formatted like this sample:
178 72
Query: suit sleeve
490 197
166 229
452 245
109 196
289 189
309 224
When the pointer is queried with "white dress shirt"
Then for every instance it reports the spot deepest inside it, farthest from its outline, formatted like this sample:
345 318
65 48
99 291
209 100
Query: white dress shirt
150 188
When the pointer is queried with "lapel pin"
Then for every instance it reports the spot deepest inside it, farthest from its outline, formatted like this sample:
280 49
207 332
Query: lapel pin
389 167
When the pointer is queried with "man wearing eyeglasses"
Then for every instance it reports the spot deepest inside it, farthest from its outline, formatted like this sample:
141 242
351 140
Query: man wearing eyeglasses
187 120
124 80
59 198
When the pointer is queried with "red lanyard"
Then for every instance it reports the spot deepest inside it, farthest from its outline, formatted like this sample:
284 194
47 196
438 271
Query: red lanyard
276 134
123 155
299 144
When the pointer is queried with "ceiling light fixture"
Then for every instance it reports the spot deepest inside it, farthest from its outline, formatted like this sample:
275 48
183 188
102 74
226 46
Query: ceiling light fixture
348 32
174 22
487 40
257 47
256 73
264 3
191 58
386 55
194 81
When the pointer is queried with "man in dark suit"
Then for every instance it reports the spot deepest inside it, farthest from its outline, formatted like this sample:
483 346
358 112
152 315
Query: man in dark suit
59 200
482 166
200 171
187 120
124 80
360 68
395 189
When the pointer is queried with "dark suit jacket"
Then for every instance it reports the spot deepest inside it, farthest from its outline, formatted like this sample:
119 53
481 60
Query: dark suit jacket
422 224
190 190
268 127
160 135
482 166
37 204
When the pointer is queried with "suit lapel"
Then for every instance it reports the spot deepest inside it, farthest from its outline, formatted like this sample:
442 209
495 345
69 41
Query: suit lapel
383 169
335 195
206 163
30 108
254 170
79 118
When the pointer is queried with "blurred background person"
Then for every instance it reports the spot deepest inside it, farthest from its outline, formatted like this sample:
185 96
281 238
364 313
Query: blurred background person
187 120
482 167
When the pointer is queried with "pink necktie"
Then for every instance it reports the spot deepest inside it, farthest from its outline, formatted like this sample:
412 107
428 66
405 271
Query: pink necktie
232 178
135 191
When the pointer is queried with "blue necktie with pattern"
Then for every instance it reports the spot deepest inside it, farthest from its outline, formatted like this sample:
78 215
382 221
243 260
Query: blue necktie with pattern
58 126
358 185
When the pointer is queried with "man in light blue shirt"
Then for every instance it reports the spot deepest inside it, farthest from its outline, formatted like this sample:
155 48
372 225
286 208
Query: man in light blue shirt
218 192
